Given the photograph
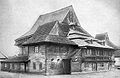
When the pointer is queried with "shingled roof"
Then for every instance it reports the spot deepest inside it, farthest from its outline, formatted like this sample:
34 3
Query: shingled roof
49 32
58 15
17 59
84 40
104 36
46 24
49 38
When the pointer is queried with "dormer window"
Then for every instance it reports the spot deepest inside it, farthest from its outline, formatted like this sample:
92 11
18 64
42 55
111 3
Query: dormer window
103 43
72 24
89 41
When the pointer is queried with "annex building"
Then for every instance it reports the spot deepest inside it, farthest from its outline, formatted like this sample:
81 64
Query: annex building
57 44
105 37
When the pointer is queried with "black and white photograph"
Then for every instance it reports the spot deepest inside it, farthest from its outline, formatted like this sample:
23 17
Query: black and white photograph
59 38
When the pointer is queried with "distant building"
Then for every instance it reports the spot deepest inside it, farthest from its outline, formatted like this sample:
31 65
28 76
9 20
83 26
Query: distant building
57 44
117 58
2 58
95 54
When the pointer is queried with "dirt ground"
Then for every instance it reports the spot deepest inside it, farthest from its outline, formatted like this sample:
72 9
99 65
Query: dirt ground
106 74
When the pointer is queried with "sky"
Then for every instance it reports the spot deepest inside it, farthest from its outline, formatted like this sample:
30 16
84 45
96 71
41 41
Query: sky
18 16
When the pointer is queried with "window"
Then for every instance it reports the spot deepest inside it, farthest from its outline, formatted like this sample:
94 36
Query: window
42 49
40 66
5 65
36 49
58 59
63 49
101 52
25 50
51 49
22 66
104 43
13 66
93 52
56 49
86 65
85 50
90 41
34 65
101 64
31 49
90 51
52 59
52 66
75 59
97 52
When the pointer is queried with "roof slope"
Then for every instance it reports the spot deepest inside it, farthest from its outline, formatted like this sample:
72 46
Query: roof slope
58 15
49 38
2 56
82 39
49 32
17 59
104 36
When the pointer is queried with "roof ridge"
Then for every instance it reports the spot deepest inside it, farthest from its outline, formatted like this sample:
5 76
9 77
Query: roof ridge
102 33
40 16
57 10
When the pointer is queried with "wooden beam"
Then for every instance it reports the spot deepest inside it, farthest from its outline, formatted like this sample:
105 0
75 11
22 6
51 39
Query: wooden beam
45 60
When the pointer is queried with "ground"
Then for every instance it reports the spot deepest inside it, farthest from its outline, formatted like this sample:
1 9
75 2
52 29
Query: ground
106 74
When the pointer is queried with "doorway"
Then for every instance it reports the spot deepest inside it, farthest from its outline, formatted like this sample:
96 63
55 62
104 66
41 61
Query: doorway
67 66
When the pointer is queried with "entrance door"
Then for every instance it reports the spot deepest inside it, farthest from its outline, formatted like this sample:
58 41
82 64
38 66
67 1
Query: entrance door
67 66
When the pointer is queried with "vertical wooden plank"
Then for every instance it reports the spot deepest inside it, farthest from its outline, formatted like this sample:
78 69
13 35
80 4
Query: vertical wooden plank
28 50
96 66
45 60
25 67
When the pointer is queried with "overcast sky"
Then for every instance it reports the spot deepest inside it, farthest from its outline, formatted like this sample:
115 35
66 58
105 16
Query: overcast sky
18 16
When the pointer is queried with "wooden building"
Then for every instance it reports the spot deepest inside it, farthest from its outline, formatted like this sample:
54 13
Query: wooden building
2 57
57 44
95 54
117 58
105 37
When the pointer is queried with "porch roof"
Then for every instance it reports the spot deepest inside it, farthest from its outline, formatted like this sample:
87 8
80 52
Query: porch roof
17 59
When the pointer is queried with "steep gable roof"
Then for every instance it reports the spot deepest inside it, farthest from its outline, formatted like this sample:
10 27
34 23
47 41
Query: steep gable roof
58 15
48 32
45 28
